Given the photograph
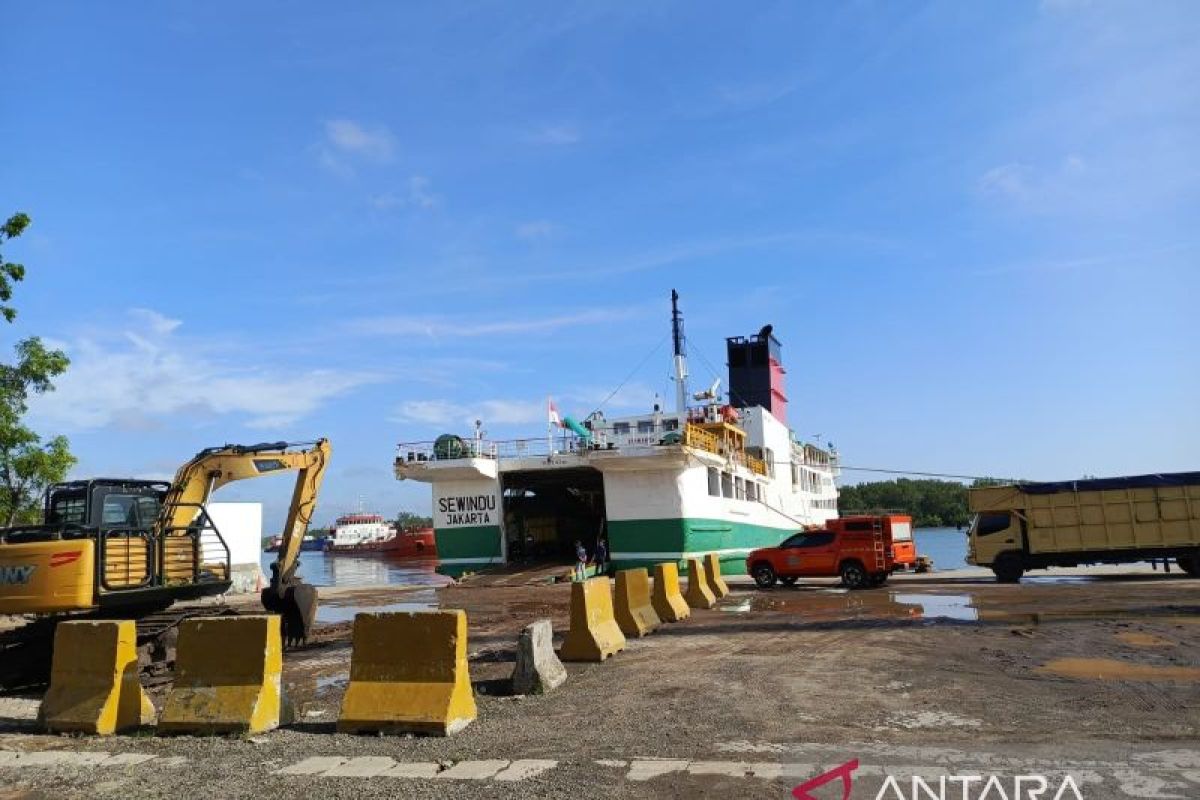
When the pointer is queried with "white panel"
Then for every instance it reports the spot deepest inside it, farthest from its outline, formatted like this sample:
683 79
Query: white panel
240 525
901 531
466 504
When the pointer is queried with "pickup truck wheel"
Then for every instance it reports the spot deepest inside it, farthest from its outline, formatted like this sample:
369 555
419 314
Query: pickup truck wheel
788 580
763 575
853 575
1190 564
1008 568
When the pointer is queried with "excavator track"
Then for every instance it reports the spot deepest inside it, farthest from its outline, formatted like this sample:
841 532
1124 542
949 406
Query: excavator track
26 650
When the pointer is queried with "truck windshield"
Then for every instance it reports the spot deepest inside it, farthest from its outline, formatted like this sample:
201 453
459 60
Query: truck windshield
990 523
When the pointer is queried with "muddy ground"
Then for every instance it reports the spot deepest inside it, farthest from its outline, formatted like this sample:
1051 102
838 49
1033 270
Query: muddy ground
937 676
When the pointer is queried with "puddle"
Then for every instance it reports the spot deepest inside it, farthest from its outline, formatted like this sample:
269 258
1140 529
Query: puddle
1107 669
940 606
338 681
1139 639
739 608
344 610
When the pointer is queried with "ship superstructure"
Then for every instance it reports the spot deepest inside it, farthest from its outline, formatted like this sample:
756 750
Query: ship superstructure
661 486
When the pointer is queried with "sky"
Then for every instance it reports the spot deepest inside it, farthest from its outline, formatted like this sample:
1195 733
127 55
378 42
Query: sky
972 225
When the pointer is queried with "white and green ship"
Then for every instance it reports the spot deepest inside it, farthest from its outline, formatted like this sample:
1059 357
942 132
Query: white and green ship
662 486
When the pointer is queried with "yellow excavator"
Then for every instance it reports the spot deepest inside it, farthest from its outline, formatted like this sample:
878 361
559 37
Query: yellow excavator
131 548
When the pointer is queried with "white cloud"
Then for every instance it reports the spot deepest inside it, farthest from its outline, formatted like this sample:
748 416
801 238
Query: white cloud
142 376
535 230
1032 188
1011 180
372 143
558 135
419 194
451 414
348 142
438 327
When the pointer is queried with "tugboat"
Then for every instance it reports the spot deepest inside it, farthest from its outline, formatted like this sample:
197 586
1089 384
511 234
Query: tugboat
364 534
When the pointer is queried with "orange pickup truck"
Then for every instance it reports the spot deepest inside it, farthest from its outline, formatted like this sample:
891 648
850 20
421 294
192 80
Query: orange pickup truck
863 550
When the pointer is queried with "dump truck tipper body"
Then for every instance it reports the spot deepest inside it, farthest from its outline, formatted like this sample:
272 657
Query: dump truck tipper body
1102 520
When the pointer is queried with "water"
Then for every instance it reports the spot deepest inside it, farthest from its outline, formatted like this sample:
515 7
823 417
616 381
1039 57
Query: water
946 546
939 606
319 569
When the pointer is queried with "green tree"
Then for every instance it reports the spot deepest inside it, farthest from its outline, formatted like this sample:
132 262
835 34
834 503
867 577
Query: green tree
27 463
406 520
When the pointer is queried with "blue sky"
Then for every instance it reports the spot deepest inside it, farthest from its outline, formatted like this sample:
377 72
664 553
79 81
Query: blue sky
973 225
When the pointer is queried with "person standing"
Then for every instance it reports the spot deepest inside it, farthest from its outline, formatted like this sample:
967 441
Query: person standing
580 561
601 556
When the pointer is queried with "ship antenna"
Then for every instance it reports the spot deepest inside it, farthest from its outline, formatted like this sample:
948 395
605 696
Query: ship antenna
680 359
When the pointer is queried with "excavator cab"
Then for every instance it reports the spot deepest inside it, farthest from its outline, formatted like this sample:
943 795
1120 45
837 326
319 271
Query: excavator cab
99 547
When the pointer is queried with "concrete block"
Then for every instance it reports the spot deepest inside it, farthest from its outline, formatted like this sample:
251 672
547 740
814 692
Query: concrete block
594 634
698 595
408 674
94 684
228 677
538 669
712 576
634 612
666 599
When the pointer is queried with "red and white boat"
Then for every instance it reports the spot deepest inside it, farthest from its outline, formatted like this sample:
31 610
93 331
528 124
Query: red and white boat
361 534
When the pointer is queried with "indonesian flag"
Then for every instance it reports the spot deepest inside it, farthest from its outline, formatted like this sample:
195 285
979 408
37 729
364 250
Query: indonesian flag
552 416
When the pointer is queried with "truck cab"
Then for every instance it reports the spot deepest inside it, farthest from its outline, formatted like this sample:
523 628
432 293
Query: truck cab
863 550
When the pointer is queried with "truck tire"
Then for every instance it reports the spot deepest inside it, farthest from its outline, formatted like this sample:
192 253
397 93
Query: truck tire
763 575
1190 564
854 575
1009 567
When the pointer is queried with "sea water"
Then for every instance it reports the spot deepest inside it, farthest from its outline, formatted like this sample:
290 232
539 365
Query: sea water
946 546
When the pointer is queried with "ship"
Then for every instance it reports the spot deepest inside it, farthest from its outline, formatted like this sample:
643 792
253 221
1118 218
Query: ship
363 534
667 485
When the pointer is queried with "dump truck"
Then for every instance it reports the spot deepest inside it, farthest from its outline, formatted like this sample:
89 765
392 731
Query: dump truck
1024 526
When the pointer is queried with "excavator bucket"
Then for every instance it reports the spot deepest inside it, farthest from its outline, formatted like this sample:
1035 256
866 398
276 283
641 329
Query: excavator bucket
297 609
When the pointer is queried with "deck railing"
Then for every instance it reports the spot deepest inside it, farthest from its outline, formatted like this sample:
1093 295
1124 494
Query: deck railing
608 438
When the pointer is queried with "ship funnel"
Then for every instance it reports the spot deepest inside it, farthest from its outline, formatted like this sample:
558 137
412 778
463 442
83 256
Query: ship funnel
756 373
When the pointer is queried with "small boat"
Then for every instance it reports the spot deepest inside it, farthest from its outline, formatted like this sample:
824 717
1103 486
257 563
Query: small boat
362 534
307 544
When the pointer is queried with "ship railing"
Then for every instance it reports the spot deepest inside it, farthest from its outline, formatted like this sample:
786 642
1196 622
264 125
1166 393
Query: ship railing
695 436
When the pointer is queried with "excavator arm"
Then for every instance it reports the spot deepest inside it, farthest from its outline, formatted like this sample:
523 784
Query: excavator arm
214 467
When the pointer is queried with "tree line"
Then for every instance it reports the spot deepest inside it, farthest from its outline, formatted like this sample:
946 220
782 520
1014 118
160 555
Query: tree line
28 463
931 503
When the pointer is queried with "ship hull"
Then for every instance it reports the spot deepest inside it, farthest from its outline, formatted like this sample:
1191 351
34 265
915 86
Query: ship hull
645 542
420 545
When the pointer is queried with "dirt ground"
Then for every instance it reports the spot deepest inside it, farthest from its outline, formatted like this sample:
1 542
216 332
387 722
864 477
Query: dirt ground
1093 676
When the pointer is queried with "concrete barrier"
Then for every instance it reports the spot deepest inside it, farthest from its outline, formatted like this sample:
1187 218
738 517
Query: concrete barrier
698 595
408 674
94 684
594 634
228 677
538 669
712 575
634 612
668 603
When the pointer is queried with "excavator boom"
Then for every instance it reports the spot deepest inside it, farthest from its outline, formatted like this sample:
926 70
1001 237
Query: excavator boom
210 469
